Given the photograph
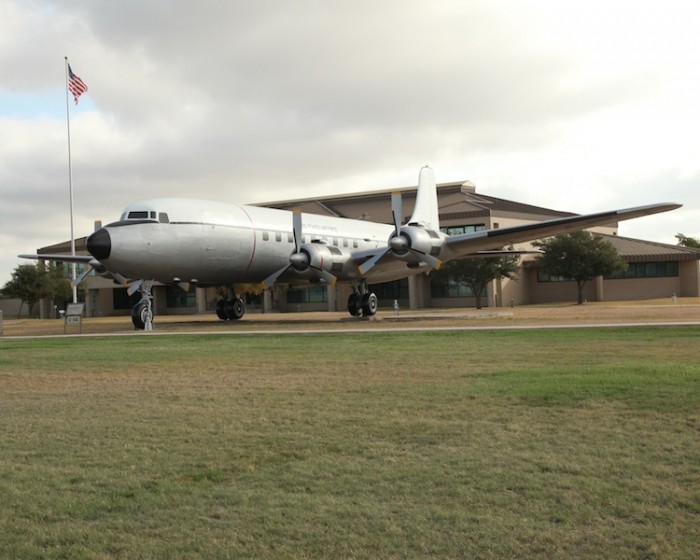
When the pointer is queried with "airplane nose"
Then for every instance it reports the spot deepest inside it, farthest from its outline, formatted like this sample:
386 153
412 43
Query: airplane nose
99 244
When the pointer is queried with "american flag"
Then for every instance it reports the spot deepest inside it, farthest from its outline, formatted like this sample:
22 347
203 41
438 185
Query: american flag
75 85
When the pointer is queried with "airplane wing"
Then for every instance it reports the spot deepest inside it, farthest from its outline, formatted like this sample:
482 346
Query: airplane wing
459 246
87 259
91 262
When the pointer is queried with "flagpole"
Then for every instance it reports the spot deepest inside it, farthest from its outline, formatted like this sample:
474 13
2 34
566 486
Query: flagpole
70 190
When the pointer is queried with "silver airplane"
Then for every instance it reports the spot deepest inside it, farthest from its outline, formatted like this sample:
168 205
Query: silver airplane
187 242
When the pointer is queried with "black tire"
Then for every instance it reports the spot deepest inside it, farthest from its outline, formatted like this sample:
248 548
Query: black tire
236 309
353 305
138 315
370 304
221 312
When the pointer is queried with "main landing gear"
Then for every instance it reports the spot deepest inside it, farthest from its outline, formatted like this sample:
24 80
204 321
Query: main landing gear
362 303
230 308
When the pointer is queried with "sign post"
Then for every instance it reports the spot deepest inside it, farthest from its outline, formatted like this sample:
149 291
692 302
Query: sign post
74 316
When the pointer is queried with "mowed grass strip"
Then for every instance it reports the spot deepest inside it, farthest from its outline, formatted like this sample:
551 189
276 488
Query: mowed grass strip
552 444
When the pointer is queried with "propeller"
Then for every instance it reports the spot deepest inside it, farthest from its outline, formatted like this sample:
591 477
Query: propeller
97 267
300 259
396 211
400 241
133 287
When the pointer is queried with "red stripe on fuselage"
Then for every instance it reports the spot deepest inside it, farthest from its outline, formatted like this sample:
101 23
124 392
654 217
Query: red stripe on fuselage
255 237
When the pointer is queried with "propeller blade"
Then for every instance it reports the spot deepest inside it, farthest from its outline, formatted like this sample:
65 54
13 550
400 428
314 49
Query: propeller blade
429 259
82 276
270 280
396 210
366 266
119 278
296 225
297 259
133 287
327 276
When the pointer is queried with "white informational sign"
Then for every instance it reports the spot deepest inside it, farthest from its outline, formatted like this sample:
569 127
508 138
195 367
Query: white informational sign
74 315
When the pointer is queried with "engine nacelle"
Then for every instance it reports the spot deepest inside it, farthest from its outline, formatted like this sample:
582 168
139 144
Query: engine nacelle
321 256
417 239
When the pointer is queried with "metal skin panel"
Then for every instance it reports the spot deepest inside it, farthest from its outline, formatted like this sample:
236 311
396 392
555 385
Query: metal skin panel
214 243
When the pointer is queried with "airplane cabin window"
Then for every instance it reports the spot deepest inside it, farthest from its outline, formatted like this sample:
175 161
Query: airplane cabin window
278 236
290 238
266 235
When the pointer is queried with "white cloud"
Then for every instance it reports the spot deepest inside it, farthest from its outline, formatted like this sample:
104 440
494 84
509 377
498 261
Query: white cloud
579 106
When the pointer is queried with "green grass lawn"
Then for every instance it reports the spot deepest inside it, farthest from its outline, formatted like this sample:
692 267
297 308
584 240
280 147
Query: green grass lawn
490 444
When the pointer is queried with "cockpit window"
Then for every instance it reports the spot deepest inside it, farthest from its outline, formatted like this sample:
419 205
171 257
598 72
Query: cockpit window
163 218
141 215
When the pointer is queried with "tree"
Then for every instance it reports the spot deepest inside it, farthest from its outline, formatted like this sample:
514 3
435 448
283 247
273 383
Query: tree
686 241
31 282
477 272
580 256
57 287
25 284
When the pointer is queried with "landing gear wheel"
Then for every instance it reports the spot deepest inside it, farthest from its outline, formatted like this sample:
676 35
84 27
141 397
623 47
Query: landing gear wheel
354 305
369 304
221 310
139 315
235 309
230 309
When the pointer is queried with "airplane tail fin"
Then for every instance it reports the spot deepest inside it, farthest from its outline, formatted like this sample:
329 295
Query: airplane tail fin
425 211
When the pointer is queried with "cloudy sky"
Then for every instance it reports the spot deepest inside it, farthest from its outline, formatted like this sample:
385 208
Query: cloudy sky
577 106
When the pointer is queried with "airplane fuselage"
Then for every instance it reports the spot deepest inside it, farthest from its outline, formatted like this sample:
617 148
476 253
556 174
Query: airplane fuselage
183 240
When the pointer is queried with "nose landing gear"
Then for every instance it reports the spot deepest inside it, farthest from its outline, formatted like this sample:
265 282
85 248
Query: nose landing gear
142 313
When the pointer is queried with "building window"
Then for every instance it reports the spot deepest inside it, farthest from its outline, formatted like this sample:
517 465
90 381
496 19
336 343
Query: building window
122 300
315 294
449 289
389 291
177 297
459 230
664 269
546 277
